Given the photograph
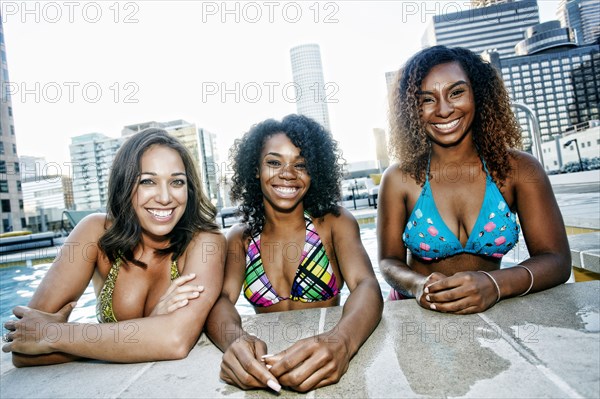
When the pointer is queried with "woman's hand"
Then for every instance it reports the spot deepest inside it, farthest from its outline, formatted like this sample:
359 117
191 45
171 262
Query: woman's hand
243 365
178 295
35 331
311 362
462 293
423 284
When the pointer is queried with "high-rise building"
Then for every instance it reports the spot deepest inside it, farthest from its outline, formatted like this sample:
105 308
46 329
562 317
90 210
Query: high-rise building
498 27
307 70
583 16
91 158
11 195
555 78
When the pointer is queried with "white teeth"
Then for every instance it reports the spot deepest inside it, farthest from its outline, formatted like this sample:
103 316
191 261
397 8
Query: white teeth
286 190
161 213
445 126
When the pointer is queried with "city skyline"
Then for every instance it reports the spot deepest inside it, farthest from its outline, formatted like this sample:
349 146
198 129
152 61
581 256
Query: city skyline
222 69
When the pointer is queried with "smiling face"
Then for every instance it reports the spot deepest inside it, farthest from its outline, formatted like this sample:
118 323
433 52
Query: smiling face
447 104
161 194
284 180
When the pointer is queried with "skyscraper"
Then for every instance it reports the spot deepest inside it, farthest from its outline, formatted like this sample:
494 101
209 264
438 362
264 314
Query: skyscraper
495 27
91 158
583 16
554 77
11 196
307 70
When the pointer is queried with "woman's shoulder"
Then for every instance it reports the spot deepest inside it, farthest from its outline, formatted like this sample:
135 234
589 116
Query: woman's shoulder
341 218
393 171
525 167
238 232
208 242
93 224
395 176
215 236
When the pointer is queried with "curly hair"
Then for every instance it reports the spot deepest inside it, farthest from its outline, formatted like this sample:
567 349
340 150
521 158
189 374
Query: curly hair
125 232
494 127
324 165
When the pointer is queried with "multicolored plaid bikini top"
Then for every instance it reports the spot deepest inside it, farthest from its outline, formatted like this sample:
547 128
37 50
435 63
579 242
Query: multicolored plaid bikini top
314 281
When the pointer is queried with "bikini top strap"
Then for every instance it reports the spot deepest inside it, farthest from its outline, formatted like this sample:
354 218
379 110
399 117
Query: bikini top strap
307 219
487 172
428 165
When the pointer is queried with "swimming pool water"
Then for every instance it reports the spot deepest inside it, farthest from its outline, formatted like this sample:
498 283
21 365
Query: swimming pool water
17 285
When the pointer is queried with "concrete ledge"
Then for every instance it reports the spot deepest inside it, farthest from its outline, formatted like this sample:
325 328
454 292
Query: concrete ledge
585 251
541 345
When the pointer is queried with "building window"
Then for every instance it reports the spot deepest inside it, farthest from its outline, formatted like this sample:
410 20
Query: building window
2 166
17 170
18 185
15 149
583 144
3 186
21 205
589 144
12 130
1 148
5 206
10 111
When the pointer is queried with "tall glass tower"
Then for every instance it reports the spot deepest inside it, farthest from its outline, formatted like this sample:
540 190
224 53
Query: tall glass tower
490 25
583 16
11 195
307 70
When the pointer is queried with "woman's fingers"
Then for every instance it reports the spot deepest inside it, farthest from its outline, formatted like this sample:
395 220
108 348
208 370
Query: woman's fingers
178 295
178 282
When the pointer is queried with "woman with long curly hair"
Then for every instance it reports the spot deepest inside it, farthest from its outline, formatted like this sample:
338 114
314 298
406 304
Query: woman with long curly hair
294 249
155 259
454 198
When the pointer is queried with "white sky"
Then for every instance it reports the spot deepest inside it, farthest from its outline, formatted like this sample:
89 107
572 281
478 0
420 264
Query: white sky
173 52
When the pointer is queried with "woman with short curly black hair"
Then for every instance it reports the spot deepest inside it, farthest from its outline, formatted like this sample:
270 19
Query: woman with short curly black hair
294 249
323 165
454 197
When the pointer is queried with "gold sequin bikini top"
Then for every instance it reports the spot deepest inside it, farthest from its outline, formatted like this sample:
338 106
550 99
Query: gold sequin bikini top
104 305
